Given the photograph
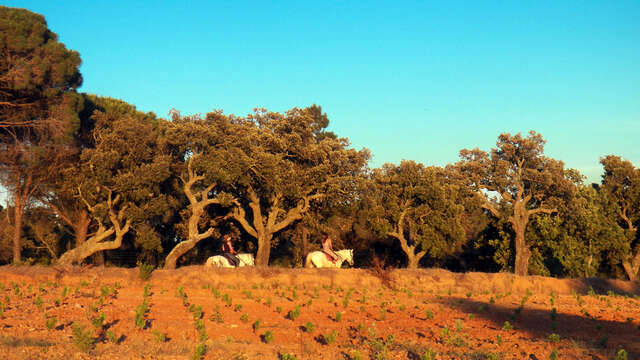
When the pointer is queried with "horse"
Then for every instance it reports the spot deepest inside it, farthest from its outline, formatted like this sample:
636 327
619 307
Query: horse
319 259
221 261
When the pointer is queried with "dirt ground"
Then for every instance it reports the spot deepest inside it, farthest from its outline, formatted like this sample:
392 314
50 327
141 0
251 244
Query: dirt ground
254 313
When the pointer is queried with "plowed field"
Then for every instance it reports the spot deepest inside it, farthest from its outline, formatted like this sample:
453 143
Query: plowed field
193 312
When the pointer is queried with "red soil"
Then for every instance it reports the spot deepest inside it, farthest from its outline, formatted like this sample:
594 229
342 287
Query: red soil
399 314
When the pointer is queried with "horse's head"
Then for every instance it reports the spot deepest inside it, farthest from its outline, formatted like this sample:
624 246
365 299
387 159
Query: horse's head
349 257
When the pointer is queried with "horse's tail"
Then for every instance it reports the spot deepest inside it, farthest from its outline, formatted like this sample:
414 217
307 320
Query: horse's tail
308 264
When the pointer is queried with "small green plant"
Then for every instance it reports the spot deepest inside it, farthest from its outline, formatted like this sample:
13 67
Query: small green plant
111 336
267 337
309 327
287 356
244 318
160 337
429 314
553 355
554 337
338 316
145 270
621 354
459 325
278 309
199 352
331 337
98 321
498 339
355 355
237 307
51 322
147 291
294 313
83 339
141 311
256 325
38 303
507 326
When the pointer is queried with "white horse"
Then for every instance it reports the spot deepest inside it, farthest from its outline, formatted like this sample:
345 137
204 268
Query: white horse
221 261
319 259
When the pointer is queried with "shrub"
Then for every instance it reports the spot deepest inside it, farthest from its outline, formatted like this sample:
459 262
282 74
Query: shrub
51 322
338 316
200 351
428 355
507 326
621 355
554 337
256 325
145 270
287 356
429 314
160 337
355 355
111 336
331 337
295 313
83 339
244 318
267 337
309 327
553 355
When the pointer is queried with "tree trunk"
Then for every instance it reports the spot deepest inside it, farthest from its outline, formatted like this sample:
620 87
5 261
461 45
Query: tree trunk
632 267
177 252
522 249
305 245
264 249
194 236
17 231
92 246
81 228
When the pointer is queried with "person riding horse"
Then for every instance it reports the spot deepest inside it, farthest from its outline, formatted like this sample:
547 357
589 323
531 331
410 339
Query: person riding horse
228 251
327 246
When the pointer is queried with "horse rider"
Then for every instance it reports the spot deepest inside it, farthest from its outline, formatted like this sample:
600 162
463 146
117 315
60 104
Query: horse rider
228 251
327 246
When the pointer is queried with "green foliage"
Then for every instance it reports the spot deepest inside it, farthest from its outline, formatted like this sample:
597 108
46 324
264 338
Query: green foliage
331 337
554 338
267 337
287 356
294 313
507 326
160 337
199 352
51 322
145 270
621 354
309 327
111 336
83 339
244 318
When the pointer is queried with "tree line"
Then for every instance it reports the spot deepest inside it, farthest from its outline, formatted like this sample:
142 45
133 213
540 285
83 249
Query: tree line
92 179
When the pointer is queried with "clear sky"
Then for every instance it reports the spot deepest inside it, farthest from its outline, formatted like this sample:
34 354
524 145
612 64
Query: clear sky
408 80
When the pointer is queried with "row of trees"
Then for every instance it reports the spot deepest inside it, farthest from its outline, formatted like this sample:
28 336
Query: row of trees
91 178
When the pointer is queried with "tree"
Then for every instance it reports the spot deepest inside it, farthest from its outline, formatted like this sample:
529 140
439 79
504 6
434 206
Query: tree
206 158
38 107
124 182
621 184
419 207
293 163
526 184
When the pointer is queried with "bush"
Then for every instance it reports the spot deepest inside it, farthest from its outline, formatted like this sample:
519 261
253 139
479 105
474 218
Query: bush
145 270
309 327
83 339
267 337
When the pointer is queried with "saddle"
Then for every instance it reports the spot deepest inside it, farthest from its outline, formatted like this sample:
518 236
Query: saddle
329 257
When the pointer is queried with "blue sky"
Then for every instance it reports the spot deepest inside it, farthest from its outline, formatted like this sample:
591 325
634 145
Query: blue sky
408 80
